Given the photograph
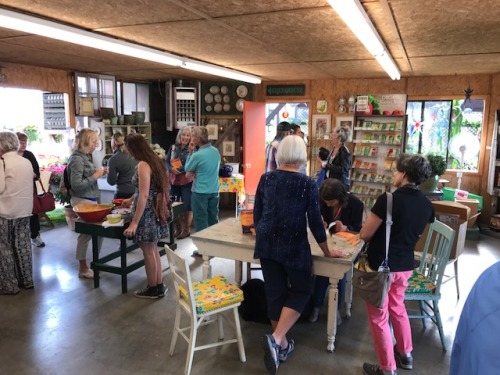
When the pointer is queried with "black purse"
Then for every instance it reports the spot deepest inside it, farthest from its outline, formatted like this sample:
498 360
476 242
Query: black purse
373 287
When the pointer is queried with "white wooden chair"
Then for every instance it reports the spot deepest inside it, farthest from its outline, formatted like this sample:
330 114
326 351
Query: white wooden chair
424 285
201 301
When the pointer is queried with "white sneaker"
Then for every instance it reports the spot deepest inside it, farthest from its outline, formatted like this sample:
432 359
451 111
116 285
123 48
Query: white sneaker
37 241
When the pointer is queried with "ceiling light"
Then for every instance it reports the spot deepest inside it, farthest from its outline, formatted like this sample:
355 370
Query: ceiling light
53 30
220 71
355 17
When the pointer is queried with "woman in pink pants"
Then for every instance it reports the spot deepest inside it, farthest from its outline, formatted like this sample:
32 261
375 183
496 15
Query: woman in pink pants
411 212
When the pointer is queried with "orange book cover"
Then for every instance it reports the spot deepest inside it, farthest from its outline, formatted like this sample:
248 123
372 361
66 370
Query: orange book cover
176 163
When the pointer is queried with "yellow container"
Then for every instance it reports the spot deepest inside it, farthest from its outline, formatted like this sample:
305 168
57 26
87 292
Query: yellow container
246 219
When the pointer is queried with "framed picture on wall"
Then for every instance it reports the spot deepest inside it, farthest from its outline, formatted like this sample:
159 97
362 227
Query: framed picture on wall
213 131
321 126
346 122
228 148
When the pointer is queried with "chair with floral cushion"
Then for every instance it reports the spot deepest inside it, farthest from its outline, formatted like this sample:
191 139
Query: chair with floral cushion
424 285
203 301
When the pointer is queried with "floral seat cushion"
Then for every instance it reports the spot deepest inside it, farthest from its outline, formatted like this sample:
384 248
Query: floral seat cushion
419 284
212 294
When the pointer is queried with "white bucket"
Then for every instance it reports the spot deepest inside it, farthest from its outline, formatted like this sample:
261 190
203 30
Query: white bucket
236 168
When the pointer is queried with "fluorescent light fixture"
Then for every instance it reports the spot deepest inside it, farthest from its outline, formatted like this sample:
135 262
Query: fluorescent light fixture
53 30
219 71
355 17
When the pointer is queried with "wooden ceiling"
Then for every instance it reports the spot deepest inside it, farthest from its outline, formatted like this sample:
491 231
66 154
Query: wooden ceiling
279 40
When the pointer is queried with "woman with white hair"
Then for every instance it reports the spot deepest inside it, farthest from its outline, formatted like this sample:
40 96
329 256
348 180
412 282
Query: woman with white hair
287 201
16 206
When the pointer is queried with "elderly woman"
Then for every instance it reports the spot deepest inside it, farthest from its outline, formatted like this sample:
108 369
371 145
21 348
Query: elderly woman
411 212
338 164
285 203
121 168
83 177
181 184
16 205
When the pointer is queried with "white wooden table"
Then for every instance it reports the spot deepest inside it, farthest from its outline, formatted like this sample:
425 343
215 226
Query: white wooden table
225 240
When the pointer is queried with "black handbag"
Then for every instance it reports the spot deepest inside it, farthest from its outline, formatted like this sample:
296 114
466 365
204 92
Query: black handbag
44 202
373 287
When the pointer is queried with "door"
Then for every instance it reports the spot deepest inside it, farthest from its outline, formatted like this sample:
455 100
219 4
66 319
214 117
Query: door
254 146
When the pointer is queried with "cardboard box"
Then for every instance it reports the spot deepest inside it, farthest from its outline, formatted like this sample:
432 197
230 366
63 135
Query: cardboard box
455 216
473 204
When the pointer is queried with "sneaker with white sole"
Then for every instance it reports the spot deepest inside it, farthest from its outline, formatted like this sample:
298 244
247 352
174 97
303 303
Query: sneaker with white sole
37 241
162 290
369 369
149 292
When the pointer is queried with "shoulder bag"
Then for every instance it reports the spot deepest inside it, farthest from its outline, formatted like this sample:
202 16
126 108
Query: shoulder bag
44 202
372 286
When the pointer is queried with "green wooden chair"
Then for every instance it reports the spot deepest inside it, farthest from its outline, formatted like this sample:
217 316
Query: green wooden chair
424 285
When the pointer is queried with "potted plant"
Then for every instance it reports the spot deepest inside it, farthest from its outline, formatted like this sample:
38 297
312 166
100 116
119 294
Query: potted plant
438 166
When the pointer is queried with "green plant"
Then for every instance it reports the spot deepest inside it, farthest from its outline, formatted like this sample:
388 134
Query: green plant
438 164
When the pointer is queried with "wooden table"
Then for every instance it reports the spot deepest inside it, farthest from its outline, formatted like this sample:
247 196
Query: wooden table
225 240
100 263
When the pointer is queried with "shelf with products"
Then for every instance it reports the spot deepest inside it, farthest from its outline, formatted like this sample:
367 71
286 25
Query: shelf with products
378 141
109 130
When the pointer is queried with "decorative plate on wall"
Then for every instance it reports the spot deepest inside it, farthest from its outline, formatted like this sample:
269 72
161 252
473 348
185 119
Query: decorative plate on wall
239 105
218 108
209 98
226 107
208 108
214 89
226 98
218 98
242 91
224 89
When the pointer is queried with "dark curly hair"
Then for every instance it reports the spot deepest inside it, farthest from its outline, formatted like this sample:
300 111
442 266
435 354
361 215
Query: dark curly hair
332 189
416 167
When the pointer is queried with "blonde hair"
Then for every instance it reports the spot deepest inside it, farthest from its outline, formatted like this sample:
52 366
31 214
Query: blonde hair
83 139
119 140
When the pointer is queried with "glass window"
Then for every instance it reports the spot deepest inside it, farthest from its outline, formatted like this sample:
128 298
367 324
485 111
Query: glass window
450 128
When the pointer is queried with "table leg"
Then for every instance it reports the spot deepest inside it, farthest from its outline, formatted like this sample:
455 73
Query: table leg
331 326
95 259
236 209
206 268
348 294
123 263
238 271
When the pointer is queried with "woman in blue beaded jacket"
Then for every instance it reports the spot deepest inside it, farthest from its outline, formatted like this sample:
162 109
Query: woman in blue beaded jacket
287 201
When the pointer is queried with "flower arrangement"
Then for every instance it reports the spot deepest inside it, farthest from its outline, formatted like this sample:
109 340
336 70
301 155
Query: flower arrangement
158 150
56 177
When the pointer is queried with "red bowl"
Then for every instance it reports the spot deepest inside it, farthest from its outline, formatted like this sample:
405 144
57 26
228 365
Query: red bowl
118 201
92 213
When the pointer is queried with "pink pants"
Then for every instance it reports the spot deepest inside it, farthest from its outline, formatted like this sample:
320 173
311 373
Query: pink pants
379 324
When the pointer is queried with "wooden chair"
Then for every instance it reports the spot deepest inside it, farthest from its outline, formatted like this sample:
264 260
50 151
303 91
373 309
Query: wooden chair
424 285
201 301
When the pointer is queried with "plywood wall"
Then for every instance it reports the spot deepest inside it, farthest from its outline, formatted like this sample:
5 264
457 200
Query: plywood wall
484 86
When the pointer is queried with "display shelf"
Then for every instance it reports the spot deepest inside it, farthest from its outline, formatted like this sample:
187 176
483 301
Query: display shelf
378 141
109 130
55 111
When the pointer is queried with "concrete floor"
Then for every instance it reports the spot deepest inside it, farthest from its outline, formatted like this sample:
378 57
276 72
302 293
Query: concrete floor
65 326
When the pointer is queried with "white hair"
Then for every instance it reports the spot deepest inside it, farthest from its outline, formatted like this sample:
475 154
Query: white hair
292 150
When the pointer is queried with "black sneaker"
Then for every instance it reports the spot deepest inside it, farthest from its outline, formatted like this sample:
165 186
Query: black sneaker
369 369
149 292
162 290
404 361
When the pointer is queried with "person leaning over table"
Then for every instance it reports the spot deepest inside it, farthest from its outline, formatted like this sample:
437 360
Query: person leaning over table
203 164
121 168
411 212
150 214
16 206
181 184
338 164
83 177
34 220
287 201
342 211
